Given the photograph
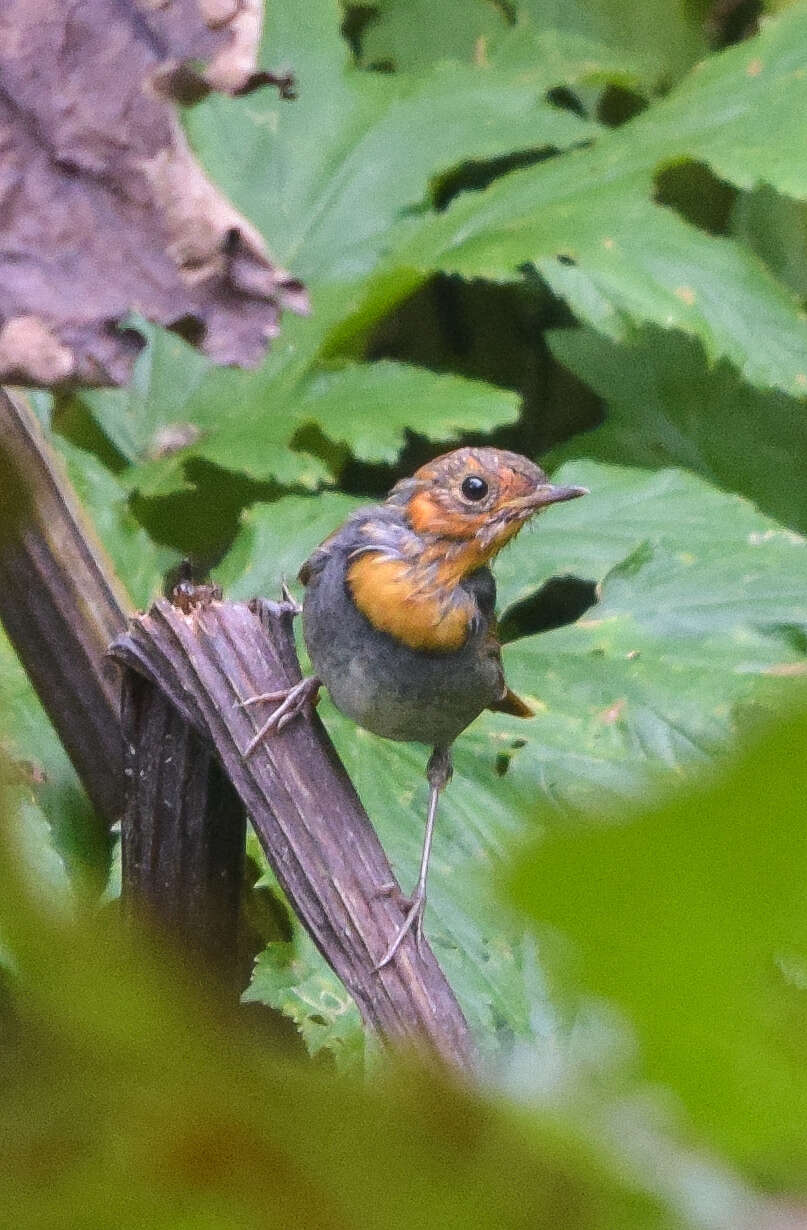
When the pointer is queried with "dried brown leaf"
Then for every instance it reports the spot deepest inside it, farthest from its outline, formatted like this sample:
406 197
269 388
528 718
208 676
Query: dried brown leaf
103 207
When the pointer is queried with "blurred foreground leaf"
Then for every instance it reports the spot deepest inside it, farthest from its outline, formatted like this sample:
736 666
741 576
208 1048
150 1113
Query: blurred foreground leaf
129 1101
692 919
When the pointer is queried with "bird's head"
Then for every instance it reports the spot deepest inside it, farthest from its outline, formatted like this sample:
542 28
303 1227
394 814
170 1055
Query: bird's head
477 496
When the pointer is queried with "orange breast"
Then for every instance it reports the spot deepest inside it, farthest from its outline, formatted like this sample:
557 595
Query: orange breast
386 592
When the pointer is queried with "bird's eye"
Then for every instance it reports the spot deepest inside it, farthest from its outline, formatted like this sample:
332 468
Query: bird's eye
474 488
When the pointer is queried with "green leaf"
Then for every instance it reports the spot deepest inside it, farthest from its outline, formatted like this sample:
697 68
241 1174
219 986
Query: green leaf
414 34
742 111
327 177
58 826
251 422
43 867
165 377
562 48
701 621
139 563
666 406
293 978
668 34
587 223
560 57
703 617
691 918
369 407
179 404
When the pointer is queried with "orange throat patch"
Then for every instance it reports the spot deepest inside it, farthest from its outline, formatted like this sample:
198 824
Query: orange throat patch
386 592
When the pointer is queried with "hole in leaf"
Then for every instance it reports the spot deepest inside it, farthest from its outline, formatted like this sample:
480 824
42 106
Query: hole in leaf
695 192
562 96
617 105
190 328
357 19
793 636
731 21
472 176
559 601
508 11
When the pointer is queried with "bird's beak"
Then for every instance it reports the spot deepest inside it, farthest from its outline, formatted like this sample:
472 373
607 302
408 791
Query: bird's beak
556 495
550 494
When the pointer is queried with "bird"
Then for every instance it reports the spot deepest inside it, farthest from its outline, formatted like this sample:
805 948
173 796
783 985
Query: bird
399 616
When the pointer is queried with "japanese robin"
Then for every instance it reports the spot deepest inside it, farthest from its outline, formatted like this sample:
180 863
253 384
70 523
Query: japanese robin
398 615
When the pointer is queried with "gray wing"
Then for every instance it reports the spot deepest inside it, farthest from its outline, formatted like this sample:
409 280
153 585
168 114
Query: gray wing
343 538
482 586
316 561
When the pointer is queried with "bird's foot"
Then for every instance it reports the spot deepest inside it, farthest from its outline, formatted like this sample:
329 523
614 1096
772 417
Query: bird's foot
290 702
415 907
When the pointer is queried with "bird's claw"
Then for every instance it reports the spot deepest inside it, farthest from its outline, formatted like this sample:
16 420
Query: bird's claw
264 696
292 701
415 907
289 602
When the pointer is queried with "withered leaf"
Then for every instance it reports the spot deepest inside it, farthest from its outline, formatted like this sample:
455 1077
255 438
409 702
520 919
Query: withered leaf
103 207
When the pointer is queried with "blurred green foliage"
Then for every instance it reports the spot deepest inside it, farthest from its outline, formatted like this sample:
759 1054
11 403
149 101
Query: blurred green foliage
128 1100
574 227
692 918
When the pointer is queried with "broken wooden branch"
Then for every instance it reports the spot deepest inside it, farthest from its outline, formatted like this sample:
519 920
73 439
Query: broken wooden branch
60 604
183 834
207 659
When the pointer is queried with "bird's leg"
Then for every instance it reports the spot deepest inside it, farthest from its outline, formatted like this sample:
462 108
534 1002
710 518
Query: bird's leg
290 701
438 772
